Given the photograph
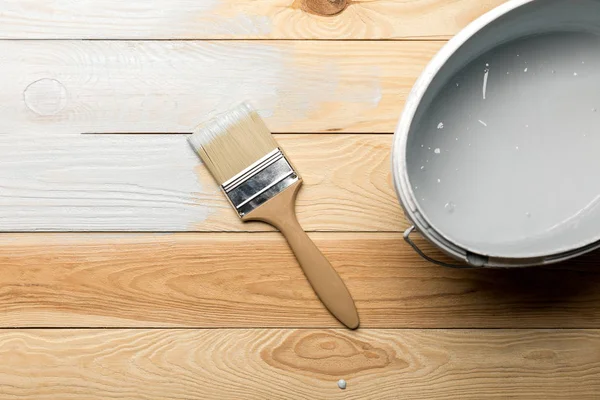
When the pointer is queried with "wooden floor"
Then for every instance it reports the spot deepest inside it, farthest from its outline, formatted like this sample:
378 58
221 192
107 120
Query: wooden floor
124 274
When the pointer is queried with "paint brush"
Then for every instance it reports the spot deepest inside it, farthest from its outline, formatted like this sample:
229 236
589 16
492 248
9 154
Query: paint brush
261 184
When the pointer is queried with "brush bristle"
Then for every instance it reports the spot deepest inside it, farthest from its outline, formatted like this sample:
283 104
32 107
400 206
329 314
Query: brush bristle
233 141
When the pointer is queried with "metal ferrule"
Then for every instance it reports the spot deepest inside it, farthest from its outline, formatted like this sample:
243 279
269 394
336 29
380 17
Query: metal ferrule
258 183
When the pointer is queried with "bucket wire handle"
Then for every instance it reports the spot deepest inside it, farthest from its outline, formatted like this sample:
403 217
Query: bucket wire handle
425 256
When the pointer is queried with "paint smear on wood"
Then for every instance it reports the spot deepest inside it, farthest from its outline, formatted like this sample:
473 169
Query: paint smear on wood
117 86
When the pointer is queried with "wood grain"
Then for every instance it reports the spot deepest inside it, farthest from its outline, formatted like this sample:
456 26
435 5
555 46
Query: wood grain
60 87
252 280
158 74
237 19
157 183
299 364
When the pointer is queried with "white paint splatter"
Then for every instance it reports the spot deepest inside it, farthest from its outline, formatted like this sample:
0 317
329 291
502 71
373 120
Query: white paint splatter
482 123
485 82
378 95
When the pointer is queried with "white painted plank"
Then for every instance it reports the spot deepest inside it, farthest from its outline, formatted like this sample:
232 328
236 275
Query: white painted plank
74 182
171 86
235 19
54 178
96 183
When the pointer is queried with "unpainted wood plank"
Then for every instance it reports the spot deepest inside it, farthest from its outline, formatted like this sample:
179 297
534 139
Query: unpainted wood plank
299 364
252 280
158 183
237 19
58 87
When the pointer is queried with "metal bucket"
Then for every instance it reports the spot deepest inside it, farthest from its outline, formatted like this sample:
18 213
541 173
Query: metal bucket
497 153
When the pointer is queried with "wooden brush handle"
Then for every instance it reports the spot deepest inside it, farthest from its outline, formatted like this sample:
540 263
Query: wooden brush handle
327 284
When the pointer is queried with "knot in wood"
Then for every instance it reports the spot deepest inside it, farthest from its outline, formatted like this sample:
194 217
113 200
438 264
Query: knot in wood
45 96
324 7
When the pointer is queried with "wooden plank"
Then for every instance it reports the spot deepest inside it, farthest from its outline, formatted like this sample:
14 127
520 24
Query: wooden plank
299 364
237 19
58 87
252 280
157 183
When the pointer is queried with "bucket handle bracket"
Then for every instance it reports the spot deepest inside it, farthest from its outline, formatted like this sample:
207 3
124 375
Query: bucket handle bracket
425 256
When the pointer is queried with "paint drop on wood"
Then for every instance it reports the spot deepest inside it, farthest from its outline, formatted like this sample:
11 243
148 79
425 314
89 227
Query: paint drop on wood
342 384
45 96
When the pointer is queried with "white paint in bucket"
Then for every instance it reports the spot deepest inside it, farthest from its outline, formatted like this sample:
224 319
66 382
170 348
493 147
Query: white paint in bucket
522 178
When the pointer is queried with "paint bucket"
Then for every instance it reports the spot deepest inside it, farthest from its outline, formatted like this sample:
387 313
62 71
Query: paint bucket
497 153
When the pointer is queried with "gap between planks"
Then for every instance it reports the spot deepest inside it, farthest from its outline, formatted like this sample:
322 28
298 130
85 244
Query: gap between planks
432 39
